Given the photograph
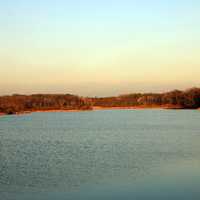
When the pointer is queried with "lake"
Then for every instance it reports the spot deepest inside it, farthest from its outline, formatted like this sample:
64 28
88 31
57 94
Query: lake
98 155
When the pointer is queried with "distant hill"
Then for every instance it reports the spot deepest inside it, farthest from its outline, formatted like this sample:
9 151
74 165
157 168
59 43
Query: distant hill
188 99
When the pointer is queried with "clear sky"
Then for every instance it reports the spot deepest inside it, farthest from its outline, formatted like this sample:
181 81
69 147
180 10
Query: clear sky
98 47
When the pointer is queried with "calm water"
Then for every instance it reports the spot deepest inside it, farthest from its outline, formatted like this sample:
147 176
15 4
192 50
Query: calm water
116 154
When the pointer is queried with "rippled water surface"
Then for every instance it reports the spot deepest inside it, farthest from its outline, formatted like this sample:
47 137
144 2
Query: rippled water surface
112 154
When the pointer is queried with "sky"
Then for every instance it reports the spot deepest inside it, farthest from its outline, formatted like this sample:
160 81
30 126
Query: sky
99 47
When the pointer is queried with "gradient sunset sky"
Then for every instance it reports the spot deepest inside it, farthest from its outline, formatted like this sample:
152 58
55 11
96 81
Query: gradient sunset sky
98 47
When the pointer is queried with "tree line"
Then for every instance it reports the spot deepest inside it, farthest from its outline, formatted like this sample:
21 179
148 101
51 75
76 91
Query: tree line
188 99
22 103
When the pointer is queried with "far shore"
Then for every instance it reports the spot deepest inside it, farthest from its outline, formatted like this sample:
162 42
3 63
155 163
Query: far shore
96 108
137 107
24 104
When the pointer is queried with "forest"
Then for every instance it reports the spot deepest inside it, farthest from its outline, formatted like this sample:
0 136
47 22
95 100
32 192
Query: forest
176 99
41 102
188 99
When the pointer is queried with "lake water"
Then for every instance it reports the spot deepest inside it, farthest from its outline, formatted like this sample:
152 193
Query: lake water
100 155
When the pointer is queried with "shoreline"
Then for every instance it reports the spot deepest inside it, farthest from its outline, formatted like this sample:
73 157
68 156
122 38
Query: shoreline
137 107
42 111
98 108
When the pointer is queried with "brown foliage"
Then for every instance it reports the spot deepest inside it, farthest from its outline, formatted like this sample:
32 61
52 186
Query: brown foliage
184 99
21 103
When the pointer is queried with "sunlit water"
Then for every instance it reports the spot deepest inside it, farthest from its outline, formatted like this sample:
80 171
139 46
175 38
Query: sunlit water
113 154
